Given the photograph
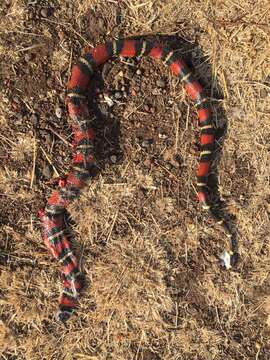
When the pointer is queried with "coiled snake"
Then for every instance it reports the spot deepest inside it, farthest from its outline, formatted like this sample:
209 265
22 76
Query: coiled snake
52 217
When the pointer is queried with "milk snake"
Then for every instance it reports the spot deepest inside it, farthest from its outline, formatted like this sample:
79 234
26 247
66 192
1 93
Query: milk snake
52 217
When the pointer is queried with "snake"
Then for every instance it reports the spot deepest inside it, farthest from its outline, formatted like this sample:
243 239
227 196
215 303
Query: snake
52 216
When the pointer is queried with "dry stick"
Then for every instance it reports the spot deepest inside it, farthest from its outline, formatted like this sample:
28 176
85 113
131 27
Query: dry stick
177 119
7 140
60 137
174 177
50 162
112 226
30 47
34 164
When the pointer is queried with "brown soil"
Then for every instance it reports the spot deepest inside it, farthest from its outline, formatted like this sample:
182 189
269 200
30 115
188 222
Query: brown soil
154 289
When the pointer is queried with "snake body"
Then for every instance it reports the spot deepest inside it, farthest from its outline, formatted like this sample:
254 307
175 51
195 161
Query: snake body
52 217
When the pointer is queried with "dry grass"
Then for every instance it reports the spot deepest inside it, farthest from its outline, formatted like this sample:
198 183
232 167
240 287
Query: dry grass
154 290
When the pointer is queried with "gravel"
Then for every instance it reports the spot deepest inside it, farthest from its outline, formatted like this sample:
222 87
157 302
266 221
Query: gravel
161 83
58 112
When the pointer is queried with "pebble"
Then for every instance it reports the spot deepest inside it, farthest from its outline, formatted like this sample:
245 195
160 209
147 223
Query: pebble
105 70
58 112
147 163
45 12
101 23
161 83
146 143
143 85
113 159
138 72
118 95
34 120
49 138
103 108
162 136
155 92
30 16
28 57
15 106
120 74
146 108
19 118
264 93
70 12
47 171
61 35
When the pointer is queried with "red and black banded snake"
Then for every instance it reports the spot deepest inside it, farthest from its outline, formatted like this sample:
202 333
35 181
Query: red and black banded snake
52 217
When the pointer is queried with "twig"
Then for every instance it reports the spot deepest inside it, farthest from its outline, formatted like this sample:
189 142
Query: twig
112 226
34 164
50 162
29 47
60 137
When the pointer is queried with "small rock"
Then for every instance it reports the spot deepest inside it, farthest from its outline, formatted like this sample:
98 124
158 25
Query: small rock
16 106
34 120
147 163
161 83
113 159
123 88
143 85
118 95
46 171
101 23
146 108
30 15
108 100
264 93
146 143
162 136
49 82
70 12
133 92
28 57
61 35
120 74
36 106
138 72
58 112
49 138
46 12
103 108
105 70
19 118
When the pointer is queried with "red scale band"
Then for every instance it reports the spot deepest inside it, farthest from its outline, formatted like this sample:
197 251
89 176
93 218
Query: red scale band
128 49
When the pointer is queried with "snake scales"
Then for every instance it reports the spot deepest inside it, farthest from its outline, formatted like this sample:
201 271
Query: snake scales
52 217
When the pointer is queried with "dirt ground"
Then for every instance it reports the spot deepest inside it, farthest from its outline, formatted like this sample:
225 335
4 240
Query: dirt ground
154 289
